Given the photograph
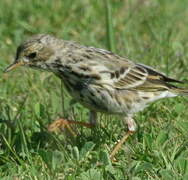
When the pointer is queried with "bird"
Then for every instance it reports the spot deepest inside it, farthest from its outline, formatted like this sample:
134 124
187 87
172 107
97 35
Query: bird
100 80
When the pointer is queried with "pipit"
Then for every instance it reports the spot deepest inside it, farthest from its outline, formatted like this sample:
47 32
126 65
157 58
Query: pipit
98 79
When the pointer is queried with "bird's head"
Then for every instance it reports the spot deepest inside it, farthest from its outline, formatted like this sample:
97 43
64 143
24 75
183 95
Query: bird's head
36 52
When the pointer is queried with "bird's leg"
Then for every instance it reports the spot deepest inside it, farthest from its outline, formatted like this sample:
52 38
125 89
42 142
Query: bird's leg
64 123
131 129
93 118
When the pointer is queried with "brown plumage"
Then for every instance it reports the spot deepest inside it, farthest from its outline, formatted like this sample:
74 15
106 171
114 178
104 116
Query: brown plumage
99 79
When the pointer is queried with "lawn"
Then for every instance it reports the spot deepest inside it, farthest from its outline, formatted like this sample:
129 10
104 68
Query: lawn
153 32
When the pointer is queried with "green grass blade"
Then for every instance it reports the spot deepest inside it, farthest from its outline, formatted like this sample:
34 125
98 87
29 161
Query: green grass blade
109 26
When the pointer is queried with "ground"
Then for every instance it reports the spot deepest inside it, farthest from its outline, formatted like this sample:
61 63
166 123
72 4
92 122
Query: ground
147 31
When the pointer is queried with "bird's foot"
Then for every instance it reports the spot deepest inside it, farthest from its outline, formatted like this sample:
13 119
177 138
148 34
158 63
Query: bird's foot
119 144
64 123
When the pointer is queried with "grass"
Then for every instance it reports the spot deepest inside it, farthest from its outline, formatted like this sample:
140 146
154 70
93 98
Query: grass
152 32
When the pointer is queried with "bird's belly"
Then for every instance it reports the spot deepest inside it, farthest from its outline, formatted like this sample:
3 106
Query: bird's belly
110 100
105 100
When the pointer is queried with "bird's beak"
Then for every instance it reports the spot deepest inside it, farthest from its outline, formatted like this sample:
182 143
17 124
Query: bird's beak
13 66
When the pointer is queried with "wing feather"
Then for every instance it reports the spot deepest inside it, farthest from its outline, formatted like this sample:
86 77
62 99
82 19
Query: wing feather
131 79
144 78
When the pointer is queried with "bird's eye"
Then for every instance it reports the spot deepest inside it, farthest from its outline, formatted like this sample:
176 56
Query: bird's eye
32 55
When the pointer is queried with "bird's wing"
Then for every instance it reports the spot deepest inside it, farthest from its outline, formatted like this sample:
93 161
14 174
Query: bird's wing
105 68
125 76
140 77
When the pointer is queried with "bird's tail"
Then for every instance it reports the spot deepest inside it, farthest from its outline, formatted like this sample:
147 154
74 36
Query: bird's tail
179 91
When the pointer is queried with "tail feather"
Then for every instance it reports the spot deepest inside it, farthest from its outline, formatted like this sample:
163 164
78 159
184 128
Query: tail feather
179 91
